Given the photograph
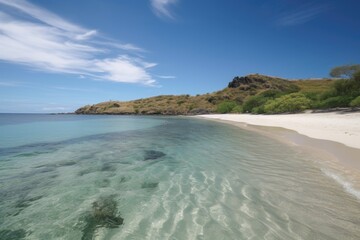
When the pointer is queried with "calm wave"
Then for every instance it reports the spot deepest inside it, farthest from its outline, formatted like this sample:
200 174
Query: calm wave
121 177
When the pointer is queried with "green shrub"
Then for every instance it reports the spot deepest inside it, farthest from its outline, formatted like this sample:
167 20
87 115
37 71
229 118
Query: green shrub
313 95
226 107
292 89
347 87
333 102
237 109
355 102
271 93
328 94
258 110
294 102
253 102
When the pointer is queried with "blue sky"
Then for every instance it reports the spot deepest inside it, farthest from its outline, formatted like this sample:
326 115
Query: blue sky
56 56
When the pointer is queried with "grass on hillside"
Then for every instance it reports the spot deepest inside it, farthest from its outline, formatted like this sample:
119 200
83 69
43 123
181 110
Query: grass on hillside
255 93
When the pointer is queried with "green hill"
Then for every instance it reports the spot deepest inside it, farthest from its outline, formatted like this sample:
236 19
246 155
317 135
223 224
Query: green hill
238 94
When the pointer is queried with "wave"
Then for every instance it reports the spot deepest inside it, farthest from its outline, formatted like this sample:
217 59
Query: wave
348 187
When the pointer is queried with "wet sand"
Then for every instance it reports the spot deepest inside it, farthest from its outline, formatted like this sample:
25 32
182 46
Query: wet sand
337 160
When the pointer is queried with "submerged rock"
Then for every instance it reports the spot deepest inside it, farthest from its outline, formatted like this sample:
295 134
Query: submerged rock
124 179
102 215
65 164
152 155
12 234
149 185
24 203
86 171
103 183
107 167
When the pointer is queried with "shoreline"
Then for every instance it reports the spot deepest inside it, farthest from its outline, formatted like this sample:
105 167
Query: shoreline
336 160
334 126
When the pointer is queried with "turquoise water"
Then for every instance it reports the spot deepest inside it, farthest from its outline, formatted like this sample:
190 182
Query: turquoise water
123 177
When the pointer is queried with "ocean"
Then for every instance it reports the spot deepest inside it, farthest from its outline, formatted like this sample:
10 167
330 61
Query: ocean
141 177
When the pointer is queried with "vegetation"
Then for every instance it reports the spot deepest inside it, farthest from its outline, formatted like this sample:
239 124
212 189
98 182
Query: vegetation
255 104
226 107
345 71
355 102
257 94
290 103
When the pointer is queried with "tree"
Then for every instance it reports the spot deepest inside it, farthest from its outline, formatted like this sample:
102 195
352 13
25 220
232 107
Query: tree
347 71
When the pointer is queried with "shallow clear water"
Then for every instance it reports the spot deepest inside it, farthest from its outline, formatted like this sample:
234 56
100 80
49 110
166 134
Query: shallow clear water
121 177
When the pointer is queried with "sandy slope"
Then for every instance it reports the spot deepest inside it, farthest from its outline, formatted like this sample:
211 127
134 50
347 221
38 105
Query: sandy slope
339 127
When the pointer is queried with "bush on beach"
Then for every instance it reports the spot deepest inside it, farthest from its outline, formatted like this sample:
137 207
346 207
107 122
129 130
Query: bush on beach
226 107
355 102
294 102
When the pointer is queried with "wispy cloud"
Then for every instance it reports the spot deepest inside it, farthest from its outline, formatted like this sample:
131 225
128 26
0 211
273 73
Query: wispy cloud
166 77
42 40
10 84
301 15
162 7
54 109
75 89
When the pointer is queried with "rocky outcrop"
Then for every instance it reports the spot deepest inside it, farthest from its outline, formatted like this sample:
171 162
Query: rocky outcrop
247 80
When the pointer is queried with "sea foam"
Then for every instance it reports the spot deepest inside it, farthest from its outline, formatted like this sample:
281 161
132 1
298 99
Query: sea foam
348 187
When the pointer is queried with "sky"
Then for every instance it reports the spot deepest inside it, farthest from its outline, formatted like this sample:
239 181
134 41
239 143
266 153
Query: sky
56 56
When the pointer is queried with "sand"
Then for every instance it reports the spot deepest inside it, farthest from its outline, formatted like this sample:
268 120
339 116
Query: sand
333 138
339 127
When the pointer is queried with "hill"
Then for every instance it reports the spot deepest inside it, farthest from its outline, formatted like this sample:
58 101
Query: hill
238 92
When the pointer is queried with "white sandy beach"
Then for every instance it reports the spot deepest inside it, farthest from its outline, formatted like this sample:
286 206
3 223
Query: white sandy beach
339 127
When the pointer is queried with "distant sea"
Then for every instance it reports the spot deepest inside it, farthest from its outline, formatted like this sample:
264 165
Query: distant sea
132 177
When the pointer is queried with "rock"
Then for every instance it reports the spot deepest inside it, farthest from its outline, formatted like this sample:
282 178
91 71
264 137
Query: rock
149 185
107 167
12 234
103 214
237 81
152 155
199 111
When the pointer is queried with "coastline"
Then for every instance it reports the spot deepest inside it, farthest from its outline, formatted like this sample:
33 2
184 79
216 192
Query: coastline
335 126
319 134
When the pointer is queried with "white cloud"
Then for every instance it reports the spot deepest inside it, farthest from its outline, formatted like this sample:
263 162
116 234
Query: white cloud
162 7
301 15
125 69
39 39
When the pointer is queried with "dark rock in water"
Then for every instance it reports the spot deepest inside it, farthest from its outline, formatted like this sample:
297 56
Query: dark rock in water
65 164
108 167
28 154
149 185
59 164
12 234
152 155
103 214
103 183
123 179
24 203
86 171
27 201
